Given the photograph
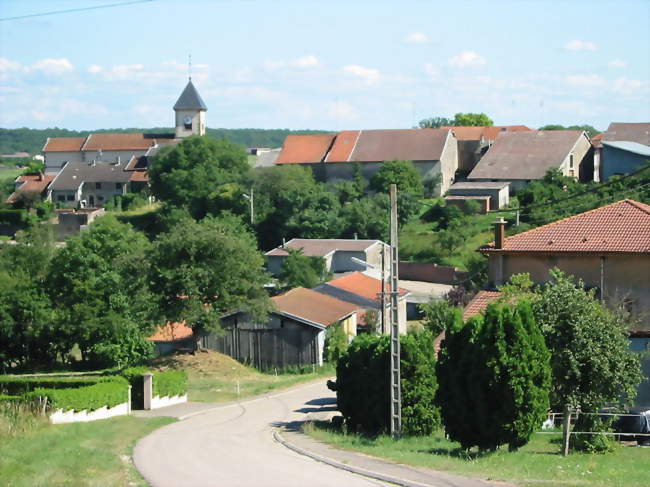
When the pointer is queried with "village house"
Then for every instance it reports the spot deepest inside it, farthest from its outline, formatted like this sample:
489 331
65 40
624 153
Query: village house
522 157
491 195
337 253
293 334
365 292
474 141
30 187
623 149
333 157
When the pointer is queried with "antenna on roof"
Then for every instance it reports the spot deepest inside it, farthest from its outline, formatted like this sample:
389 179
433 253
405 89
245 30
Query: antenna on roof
189 66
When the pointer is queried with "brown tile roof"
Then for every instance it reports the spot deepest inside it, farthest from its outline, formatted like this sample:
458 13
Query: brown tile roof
343 146
32 183
305 148
313 306
171 332
632 132
526 155
623 226
118 142
597 140
489 133
362 285
314 247
64 144
139 176
479 303
403 144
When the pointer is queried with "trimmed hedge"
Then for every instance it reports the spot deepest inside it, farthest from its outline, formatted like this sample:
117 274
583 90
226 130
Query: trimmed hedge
17 386
12 217
108 393
170 383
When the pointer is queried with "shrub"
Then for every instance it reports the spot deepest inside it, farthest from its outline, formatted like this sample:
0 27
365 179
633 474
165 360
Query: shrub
336 343
12 217
107 393
170 383
127 346
494 378
363 383
17 385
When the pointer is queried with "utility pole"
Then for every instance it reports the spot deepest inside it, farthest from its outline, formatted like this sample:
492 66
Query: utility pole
251 199
384 328
395 382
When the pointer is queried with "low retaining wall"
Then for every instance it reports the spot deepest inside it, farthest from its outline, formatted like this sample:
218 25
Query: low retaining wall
161 402
59 416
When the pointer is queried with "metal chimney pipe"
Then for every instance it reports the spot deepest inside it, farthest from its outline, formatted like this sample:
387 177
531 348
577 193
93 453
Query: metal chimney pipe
499 233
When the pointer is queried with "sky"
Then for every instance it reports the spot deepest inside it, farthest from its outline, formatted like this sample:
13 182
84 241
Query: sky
324 64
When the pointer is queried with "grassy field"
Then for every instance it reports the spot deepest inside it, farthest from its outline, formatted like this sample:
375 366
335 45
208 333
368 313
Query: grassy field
80 454
214 377
537 464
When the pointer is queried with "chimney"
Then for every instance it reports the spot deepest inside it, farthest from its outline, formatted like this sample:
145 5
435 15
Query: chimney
355 235
40 176
284 242
499 233
99 154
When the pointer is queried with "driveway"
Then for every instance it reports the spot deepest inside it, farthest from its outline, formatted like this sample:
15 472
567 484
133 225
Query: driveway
233 446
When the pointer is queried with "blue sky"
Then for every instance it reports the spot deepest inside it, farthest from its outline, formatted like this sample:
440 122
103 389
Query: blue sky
325 64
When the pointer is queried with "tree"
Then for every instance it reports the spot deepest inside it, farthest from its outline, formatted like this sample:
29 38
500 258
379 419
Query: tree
98 284
336 343
299 270
371 318
202 174
435 122
591 131
401 173
437 314
472 119
494 378
201 270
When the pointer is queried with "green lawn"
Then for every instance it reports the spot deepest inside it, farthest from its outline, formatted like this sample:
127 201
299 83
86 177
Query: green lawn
537 464
97 453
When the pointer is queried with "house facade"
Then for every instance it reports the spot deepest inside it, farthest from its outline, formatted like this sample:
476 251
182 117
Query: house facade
522 157
334 157
337 253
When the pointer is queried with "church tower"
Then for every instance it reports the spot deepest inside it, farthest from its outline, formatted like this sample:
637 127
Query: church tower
190 113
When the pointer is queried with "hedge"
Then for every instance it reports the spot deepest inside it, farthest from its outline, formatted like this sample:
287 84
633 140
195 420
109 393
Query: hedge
17 386
170 383
108 393
12 217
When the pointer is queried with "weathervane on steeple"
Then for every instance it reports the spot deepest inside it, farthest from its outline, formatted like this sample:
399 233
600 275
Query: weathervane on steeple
189 66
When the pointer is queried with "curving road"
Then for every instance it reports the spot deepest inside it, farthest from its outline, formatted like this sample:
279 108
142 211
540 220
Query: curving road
233 446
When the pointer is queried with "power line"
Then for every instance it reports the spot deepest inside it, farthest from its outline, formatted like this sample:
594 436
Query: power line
81 9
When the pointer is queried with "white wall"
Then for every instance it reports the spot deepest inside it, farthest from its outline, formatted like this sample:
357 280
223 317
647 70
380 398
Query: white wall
55 160
198 123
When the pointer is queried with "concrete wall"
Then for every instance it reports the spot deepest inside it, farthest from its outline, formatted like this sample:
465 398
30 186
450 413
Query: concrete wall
617 161
71 222
98 197
54 160
112 155
498 197
448 164
582 153
469 153
625 276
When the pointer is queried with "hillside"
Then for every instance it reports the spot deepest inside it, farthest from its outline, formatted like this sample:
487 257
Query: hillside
32 140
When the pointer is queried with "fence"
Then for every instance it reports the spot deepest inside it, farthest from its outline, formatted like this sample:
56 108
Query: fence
267 349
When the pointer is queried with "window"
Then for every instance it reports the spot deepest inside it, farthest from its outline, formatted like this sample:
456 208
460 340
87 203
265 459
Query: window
572 173
70 197
570 161
100 198
118 185
98 185
60 197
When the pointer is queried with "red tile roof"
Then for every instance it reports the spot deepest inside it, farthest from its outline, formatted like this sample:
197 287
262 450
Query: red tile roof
362 285
313 306
489 133
623 226
343 146
64 144
305 148
171 332
479 303
139 176
118 142
32 183
316 247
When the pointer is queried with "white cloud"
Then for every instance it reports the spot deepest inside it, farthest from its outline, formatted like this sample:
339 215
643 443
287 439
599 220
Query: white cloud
585 80
617 63
369 75
306 62
341 110
124 71
53 66
577 45
467 58
8 65
417 38
626 86
94 69
432 72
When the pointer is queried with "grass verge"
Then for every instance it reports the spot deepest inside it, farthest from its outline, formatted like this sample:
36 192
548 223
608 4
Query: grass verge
215 377
537 464
97 453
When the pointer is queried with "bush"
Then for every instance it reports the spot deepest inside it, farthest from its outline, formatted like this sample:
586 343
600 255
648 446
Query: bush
12 217
17 386
336 343
170 383
363 383
107 393
127 346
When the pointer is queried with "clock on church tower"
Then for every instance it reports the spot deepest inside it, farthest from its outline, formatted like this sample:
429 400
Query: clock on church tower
190 112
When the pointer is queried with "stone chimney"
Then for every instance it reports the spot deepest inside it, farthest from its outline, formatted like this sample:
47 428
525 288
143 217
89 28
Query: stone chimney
499 233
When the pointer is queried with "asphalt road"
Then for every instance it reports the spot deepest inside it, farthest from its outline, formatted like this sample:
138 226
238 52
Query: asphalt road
233 446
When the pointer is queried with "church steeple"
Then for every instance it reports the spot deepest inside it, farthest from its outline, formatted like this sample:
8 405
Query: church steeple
190 112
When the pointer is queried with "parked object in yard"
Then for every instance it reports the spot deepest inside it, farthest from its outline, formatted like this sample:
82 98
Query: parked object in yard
637 420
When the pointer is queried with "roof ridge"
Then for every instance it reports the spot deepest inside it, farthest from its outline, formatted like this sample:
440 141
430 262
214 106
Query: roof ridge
644 207
532 230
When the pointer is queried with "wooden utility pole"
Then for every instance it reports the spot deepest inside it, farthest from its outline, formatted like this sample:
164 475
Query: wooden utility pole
395 382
